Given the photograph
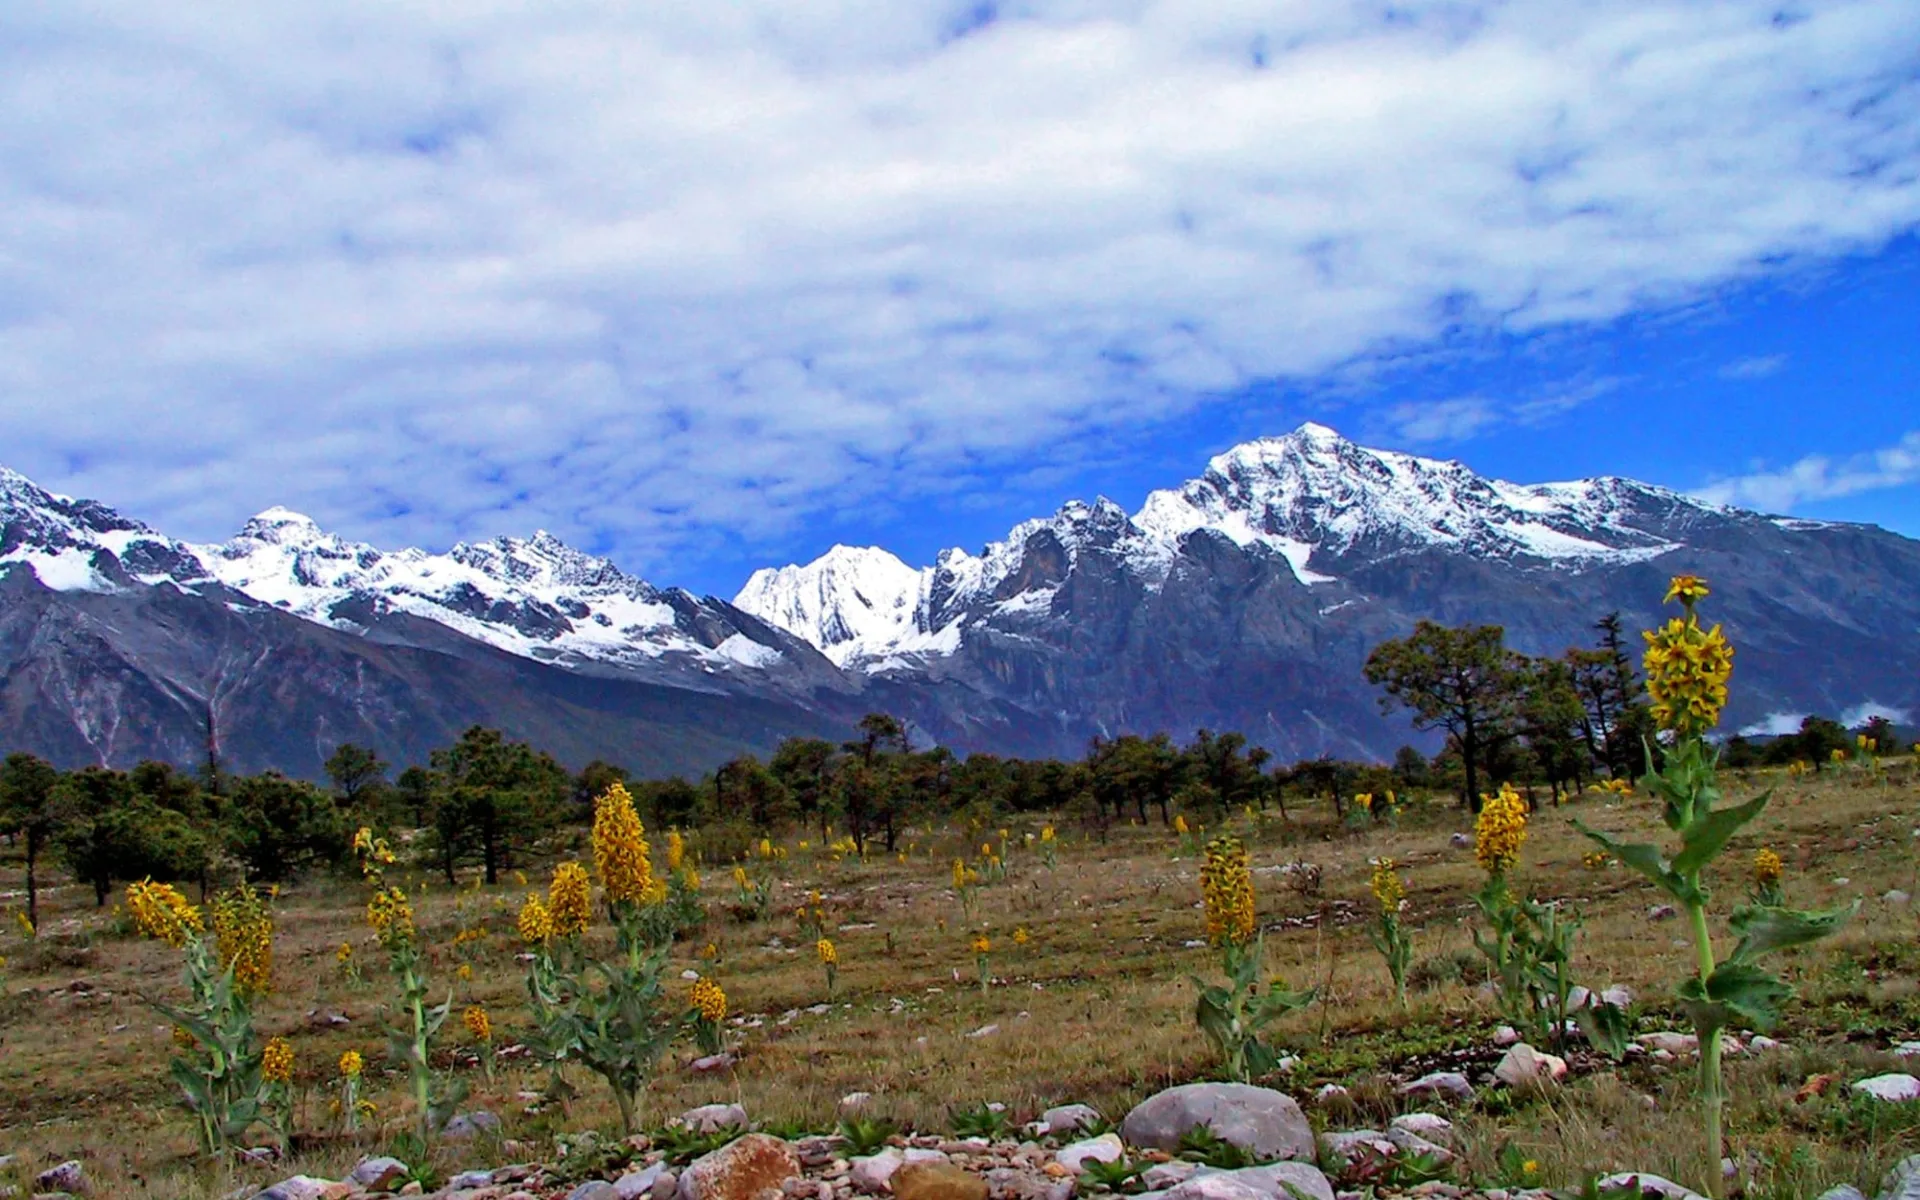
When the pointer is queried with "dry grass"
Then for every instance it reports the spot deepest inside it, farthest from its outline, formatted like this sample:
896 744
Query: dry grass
1095 1008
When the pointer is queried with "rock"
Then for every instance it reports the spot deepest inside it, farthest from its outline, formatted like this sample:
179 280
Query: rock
1896 896
984 1031
1618 996
1577 998
594 1189
1903 1182
1762 1043
379 1174
1651 1186
69 1176
1524 1065
1285 1181
713 1062
463 1127
1216 1185
324 1018
936 1181
1331 1092
1461 841
1354 1146
1106 1148
300 1187
1506 1035
1161 1176
1431 1126
1439 1083
1845 1191
1906 1050
873 1174
855 1102
1673 1043
643 1183
1408 1142
1892 1088
740 1170
468 1180
712 1118
1069 1118
1014 1183
1661 912
1265 1123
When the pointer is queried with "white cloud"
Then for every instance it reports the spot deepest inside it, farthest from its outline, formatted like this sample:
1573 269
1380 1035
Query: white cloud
1758 366
1443 420
641 273
1819 477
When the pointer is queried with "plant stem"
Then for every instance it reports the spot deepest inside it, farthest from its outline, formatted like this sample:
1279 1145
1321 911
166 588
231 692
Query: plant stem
1712 1094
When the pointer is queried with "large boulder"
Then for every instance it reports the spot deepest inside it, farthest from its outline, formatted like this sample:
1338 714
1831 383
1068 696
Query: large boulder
744 1169
1069 1119
712 1118
381 1174
1895 1088
1272 1181
1266 1124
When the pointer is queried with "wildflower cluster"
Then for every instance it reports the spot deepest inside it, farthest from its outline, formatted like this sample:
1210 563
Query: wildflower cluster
1500 830
391 918
162 913
1768 871
1389 936
350 1107
570 900
1687 667
243 929
829 961
535 922
1226 888
620 848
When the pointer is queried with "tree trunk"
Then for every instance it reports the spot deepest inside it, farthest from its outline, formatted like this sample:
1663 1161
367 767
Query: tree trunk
33 883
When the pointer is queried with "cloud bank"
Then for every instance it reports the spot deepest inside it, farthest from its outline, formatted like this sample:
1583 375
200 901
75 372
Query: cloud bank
641 273
1819 477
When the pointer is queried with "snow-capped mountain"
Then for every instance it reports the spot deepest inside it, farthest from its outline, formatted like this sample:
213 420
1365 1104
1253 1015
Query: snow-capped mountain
1244 599
1317 500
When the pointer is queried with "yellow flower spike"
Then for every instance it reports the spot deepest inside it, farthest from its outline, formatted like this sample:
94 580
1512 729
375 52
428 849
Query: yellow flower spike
535 922
479 1025
981 943
1500 830
570 899
676 850
243 931
351 1064
740 878
464 972
1046 831
344 955
709 1000
1180 825
828 955
391 917
276 1061
1767 868
1226 888
1388 890
1020 937
620 848
162 913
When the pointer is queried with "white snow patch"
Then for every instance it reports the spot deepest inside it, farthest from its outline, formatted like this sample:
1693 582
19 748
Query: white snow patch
748 653
69 570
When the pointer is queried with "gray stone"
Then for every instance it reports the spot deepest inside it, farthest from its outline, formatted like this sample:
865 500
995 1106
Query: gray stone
1461 841
1506 1035
713 1062
1431 1126
1522 1064
1652 1186
69 1176
1891 1088
712 1118
1216 1186
1069 1118
300 1187
379 1174
740 1170
1106 1148
1272 1181
1351 1146
594 1189
1845 1191
636 1184
467 1180
854 1102
1265 1123
1439 1083
1618 996
1161 1176
1408 1142
1662 912
1903 1182
873 1174
1670 1041
1331 1092
465 1127
1896 896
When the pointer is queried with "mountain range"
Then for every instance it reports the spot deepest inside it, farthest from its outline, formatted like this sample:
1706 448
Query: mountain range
1246 598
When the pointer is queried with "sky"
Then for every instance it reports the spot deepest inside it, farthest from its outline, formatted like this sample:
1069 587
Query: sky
708 287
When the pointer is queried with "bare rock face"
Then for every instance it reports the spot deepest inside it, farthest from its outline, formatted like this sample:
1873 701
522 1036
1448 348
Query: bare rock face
1265 1123
747 1168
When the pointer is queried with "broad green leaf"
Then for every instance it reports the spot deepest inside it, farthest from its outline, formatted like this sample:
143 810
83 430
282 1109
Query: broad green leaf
1763 930
1703 839
1735 990
1606 1028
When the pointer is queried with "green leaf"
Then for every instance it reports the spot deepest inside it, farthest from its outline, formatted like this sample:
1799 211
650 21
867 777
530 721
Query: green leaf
1763 930
1734 991
1707 835
1606 1028
1645 858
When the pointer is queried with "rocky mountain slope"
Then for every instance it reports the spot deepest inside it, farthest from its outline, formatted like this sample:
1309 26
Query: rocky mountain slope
1246 598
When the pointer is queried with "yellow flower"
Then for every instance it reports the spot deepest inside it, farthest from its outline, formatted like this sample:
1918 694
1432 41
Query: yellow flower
344 955
1500 830
520 878
479 1025
981 944
766 848
26 922
710 950
160 911
276 1061
464 972
1767 868
1180 825
676 850
1386 886
1530 1167
827 953
1595 860
243 928
182 1037
1687 589
620 848
391 917
1226 887
1687 667
1046 831
1364 800
570 899
1838 755
709 1000
959 875
655 893
1020 937
740 878
535 923
351 1064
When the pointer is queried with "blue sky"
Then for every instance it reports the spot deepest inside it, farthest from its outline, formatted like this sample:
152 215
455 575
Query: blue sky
710 287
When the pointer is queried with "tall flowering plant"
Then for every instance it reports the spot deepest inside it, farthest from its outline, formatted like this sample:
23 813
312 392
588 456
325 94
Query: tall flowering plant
219 1060
1234 1017
1687 668
1389 935
415 1021
609 1016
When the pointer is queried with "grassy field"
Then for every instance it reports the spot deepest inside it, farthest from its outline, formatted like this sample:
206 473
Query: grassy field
1095 1007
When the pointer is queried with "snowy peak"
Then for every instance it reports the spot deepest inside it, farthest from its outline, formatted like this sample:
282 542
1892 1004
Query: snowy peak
849 598
82 545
